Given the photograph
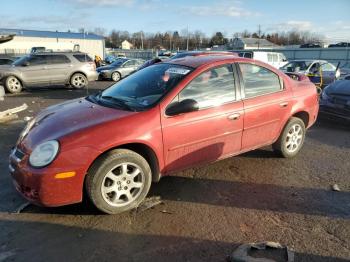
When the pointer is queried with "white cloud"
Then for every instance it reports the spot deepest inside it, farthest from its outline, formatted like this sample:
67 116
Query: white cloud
105 2
220 8
291 25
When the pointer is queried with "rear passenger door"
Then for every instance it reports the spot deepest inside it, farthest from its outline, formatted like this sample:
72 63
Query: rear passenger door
59 68
266 105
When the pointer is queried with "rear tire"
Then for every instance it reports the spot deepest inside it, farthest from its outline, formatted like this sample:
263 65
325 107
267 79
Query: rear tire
118 181
78 81
291 139
13 85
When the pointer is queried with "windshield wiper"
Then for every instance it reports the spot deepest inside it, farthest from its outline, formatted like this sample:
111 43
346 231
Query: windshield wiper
119 102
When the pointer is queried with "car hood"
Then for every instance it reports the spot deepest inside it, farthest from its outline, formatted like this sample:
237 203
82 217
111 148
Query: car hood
109 67
340 87
60 120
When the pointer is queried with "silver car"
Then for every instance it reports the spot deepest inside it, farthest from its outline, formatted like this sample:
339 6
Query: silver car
120 68
45 69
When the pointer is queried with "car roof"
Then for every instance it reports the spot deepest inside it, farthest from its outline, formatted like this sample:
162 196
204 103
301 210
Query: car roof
196 61
58 53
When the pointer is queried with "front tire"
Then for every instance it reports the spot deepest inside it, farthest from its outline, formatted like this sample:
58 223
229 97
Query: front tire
118 181
78 81
291 139
13 85
116 76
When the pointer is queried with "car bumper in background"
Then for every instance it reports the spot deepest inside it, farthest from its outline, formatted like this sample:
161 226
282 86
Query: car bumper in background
92 76
105 74
335 112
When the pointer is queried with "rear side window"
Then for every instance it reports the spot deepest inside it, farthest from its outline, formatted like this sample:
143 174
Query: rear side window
59 59
259 80
83 58
211 88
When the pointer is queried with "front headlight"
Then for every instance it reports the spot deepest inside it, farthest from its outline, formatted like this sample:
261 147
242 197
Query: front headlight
44 154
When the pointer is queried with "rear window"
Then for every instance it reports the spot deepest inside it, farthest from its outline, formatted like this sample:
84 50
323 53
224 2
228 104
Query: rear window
83 58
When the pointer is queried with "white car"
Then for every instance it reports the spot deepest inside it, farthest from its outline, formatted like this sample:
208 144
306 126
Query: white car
274 59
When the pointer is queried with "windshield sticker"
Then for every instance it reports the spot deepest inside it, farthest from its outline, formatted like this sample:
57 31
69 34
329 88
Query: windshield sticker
176 70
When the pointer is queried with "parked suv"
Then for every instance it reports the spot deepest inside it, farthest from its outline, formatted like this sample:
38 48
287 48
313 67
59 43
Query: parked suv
159 120
44 69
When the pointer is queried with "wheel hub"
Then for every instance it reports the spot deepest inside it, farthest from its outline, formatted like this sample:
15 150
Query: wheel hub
122 184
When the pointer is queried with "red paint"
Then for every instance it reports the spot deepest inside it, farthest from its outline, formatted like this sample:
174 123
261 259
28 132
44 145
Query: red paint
86 130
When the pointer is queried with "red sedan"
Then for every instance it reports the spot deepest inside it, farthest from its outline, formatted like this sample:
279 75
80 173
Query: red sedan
162 119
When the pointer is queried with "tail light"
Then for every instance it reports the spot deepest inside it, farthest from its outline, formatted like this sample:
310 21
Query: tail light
92 66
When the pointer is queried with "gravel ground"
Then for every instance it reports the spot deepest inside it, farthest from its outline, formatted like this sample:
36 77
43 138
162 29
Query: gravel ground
206 212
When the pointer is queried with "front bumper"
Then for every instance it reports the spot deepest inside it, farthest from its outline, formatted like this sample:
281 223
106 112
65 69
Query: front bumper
40 187
105 75
335 112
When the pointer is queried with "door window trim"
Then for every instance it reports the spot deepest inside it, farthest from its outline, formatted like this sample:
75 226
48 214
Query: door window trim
237 88
282 85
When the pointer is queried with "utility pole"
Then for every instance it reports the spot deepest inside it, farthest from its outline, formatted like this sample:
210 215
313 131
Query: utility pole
141 33
259 35
187 39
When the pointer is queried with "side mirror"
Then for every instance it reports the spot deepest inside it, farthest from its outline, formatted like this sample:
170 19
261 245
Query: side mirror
26 63
185 106
297 69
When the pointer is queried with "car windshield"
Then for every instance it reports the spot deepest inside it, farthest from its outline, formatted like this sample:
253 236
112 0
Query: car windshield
302 65
119 62
21 60
144 88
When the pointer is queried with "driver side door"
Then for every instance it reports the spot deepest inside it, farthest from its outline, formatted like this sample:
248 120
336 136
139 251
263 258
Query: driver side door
35 73
212 132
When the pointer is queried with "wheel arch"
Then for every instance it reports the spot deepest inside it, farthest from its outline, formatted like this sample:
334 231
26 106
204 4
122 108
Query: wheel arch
142 149
304 116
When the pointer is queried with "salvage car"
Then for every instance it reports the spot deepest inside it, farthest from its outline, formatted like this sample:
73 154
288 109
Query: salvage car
48 68
160 120
119 69
335 101
314 69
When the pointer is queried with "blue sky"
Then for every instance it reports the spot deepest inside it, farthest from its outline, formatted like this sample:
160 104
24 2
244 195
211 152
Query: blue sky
329 18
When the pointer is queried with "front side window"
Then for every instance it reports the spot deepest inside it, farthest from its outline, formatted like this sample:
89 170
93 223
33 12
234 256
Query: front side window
259 80
211 88
37 60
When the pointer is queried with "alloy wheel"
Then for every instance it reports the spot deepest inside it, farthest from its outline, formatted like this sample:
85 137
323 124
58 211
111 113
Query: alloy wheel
294 138
122 184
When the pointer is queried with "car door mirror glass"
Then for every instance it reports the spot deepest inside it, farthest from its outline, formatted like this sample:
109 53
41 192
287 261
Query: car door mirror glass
185 106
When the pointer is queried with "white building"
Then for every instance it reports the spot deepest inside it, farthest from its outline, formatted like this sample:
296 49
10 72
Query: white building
24 40
251 43
126 44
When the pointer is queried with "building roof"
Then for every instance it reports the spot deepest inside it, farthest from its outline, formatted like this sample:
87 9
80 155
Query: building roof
49 34
255 42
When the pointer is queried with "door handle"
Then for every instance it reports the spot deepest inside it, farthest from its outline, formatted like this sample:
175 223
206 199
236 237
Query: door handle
284 104
234 116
